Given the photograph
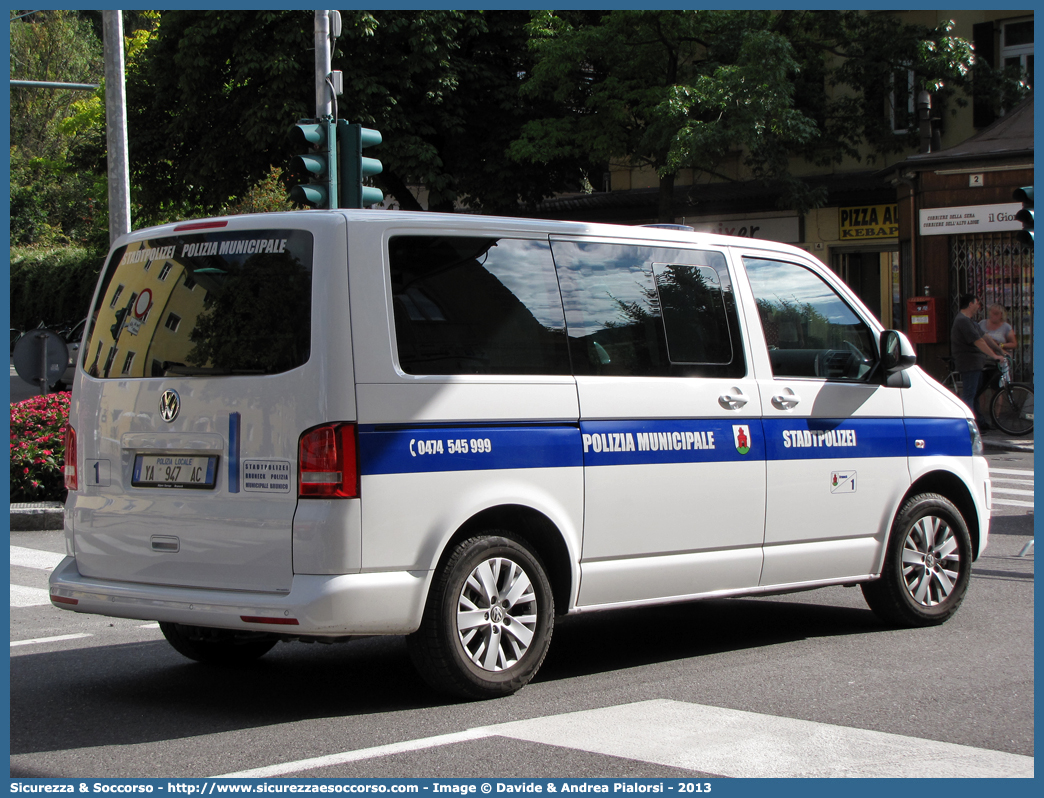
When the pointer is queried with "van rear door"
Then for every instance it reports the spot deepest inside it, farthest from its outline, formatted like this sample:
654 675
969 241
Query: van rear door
190 398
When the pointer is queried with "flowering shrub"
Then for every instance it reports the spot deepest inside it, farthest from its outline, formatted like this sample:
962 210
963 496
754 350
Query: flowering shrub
38 448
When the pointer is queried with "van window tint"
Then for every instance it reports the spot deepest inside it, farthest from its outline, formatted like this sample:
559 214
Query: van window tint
649 311
476 306
218 303
809 329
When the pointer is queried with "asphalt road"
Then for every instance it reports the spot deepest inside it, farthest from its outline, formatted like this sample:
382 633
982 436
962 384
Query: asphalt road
805 684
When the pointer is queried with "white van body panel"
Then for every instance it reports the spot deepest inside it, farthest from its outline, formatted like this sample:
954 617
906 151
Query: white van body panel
819 434
411 535
926 399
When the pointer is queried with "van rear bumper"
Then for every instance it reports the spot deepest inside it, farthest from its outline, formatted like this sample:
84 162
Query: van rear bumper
388 603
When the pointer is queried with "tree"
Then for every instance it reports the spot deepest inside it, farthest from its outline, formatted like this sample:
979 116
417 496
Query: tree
699 89
214 99
53 199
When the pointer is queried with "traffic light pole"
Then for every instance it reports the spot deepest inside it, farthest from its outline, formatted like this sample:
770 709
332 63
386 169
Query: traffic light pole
332 169
323 91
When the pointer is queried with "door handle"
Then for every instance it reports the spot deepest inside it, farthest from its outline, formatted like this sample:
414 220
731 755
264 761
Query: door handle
787 400
734 400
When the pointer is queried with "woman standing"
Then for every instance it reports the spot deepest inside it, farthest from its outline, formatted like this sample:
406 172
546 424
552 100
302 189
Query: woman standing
1001 338
998 330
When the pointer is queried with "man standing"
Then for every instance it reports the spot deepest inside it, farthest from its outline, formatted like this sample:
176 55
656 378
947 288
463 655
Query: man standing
970 352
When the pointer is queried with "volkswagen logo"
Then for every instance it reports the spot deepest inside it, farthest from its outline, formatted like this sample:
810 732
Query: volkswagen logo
170 405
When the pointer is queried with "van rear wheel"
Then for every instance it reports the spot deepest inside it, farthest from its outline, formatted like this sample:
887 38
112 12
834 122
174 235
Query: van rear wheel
217 646
488 621
927 567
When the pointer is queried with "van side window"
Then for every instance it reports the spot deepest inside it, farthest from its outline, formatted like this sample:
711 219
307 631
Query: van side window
476 306
649 311
809 329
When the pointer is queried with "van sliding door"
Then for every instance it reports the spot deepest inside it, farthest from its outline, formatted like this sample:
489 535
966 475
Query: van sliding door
670 421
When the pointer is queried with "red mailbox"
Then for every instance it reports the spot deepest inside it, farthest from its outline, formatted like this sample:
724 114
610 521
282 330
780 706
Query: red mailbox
924 325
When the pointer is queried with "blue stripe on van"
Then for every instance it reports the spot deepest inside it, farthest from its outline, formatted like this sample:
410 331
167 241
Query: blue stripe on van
384 450
822 438
671 441
233 452
426 450
938 436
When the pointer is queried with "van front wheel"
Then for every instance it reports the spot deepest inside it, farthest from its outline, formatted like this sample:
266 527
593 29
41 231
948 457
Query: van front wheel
488 621
216 646
927 567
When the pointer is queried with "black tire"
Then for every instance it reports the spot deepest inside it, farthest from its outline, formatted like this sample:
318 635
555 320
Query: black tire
1013 414
505 636
217 646
927 566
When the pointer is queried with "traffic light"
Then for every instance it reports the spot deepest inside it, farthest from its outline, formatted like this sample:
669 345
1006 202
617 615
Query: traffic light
351 139
317 166
121 316
1025 196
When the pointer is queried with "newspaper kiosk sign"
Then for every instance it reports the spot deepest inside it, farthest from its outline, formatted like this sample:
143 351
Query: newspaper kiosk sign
970 219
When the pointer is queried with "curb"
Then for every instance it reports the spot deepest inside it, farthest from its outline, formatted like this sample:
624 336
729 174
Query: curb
1003 445
36 516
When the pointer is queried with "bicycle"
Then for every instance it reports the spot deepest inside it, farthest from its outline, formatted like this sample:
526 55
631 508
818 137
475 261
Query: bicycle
1011 407
952 380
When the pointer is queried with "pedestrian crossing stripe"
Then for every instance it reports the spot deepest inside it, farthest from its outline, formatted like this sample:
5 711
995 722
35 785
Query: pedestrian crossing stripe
715 741
29 596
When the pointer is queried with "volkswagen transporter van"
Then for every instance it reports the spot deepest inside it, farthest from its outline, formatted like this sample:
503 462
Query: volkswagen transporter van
326 424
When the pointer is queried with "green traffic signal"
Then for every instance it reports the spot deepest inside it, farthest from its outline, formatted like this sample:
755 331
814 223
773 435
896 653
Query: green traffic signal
354 168
114 330
1025 196
315 168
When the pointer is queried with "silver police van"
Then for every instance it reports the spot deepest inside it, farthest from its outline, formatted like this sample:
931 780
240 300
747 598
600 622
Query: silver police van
327 424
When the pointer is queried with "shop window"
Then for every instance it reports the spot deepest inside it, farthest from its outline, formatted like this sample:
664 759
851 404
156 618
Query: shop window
998 269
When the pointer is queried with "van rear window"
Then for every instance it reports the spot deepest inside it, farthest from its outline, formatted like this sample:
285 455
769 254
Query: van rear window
203 305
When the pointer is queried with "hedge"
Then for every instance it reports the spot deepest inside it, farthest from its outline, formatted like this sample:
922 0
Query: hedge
53 285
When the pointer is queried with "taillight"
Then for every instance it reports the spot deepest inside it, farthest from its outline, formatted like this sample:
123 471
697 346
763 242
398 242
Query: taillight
326 463
71 482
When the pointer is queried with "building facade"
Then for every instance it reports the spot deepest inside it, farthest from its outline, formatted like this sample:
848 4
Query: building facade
870 230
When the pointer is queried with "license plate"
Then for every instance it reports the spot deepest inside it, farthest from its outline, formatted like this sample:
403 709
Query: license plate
173 471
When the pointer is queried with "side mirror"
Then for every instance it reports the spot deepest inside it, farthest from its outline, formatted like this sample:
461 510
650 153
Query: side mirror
897 353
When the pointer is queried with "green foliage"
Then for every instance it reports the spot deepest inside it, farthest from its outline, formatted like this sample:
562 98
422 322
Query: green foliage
691 89
49 46
268 195
57 185
665 89
210 104
38 448
54 285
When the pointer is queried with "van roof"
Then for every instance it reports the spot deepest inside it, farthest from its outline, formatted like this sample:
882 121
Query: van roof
456 221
